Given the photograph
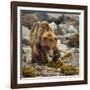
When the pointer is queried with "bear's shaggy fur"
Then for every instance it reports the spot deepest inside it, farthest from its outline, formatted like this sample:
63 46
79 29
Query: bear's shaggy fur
43 43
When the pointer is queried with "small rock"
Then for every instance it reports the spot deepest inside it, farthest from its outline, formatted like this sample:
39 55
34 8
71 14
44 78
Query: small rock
62 47
68 35
53 26
61 38
57 18
63 31
53 15
72 29
64 26
26 49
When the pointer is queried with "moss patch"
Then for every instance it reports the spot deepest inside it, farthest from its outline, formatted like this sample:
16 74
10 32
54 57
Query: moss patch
69 70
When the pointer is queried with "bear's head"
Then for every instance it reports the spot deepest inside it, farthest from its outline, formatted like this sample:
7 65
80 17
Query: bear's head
49 40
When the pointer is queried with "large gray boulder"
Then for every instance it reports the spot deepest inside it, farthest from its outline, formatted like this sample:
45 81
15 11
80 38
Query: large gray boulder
28 20
25 35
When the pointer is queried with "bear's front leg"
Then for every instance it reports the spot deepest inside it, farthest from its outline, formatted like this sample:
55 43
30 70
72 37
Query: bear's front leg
56 54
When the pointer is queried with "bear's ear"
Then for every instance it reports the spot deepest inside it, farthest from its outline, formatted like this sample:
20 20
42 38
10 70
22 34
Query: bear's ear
45 26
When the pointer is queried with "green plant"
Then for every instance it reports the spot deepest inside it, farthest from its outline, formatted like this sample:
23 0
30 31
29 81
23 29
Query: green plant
69 70
67 55
59 64
51 64
29 72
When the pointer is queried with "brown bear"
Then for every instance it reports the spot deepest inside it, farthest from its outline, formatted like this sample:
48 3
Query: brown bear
43 43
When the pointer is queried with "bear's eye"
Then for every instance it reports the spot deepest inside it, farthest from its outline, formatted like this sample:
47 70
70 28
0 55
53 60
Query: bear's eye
45 38
55 38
